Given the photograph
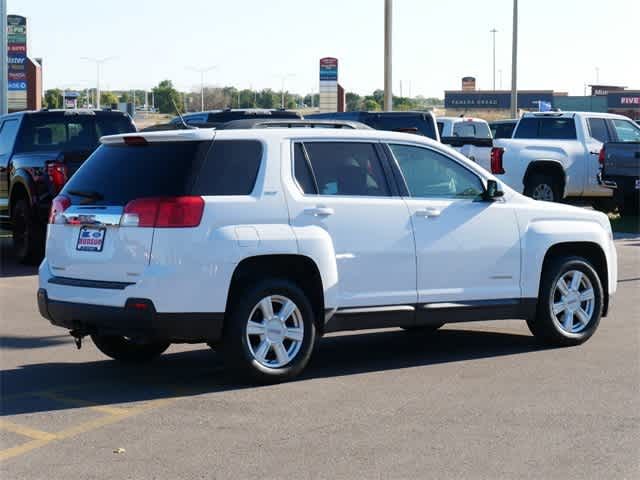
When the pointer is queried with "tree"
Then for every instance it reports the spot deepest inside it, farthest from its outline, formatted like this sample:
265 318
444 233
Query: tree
166 96
53 98
354 102
107 99
370 105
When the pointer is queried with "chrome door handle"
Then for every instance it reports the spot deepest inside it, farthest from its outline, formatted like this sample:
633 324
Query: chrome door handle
319 211
429 212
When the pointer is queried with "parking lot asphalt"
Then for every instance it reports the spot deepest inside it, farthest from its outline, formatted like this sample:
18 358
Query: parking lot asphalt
470 401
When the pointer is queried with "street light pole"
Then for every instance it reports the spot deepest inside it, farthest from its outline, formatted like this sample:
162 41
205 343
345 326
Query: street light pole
514 63
282 78
202 71
4 87
494 31
98 62
388 78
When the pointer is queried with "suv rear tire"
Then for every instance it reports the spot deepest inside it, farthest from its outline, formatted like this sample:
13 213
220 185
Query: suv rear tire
28 235
569 303
269 333
127 350
542 186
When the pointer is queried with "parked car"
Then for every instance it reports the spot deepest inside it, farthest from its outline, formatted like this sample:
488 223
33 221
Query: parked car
213 117
420 123
554 155
503 128
39 151
470 136
620 170
260 241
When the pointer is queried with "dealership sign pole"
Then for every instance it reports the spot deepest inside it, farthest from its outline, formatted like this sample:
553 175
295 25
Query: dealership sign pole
17 59
514 63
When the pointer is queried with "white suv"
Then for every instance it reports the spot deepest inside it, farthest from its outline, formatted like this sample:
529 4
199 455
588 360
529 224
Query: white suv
260 241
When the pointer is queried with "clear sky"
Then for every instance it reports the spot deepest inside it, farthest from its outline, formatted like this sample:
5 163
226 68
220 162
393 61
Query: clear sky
253 42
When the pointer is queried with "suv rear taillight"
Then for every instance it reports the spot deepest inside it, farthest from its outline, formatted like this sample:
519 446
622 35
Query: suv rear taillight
496 160
58 175
163 212
58 205
601 156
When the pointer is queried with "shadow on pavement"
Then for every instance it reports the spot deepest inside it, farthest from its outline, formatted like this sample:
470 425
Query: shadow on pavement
14 342
9 267
200 371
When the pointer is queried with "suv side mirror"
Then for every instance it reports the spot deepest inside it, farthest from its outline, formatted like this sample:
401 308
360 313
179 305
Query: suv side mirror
492 192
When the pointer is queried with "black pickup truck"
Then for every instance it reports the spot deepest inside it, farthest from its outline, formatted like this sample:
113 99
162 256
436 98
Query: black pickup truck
620 170
39 151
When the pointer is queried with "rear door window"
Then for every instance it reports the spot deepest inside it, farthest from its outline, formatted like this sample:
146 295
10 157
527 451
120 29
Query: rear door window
117 174
598 129
347 168
303 174
527 128
548 128
231 168
626 131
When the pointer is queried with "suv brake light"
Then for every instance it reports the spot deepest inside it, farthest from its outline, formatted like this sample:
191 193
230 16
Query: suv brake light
163 212
58 175
58 205
496 160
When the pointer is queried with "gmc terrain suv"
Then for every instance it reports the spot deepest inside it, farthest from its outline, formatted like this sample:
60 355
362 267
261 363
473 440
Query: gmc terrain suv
260 241
39 151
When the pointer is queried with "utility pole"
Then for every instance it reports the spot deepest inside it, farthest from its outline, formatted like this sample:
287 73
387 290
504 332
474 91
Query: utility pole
4 86
597 75
98 62
202 71
500 76
283 78
514 63
494 31
388 77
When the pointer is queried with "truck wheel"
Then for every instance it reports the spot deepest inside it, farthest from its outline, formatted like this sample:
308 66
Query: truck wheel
28 235
128 350
540 186
569 303
270 332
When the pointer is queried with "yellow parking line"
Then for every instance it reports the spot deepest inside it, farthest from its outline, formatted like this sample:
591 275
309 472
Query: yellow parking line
44 438
85 403
26 431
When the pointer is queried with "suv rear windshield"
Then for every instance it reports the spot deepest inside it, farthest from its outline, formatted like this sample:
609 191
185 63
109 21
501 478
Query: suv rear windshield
117 174
548 128
57 131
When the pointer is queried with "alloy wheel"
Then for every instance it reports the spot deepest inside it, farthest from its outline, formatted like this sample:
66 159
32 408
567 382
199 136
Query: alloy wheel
572 301
275 331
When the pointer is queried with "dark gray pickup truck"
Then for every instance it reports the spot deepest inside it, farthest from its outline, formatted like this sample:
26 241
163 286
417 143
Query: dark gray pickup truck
620 170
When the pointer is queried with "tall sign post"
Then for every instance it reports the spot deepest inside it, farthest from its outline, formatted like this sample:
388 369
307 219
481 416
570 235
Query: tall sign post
4 105
17 62
514 63
328 84
388 77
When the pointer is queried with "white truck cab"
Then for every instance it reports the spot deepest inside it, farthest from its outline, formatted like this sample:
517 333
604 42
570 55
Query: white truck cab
260 241
554 155
468 135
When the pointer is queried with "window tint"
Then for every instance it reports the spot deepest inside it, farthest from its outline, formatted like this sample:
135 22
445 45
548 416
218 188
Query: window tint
418 123
7 136
346 168
431 174
502 130
231 168
69 132
440 127
527 128
598 129
120 173
546 128
557 128
301 169
471 130
626 131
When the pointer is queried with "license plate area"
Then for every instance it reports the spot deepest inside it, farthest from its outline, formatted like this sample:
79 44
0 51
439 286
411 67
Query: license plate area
91 239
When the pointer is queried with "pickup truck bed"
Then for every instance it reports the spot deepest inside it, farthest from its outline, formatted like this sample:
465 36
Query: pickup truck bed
621 171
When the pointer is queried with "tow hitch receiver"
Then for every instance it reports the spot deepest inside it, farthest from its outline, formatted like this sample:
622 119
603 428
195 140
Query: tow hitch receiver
77 336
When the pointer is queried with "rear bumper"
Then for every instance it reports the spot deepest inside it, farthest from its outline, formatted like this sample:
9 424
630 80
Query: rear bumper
138 318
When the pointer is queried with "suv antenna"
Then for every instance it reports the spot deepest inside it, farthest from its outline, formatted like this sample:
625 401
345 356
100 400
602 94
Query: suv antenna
184 124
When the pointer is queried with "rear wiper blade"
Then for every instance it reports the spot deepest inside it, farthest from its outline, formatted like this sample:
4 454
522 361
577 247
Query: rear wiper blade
89 196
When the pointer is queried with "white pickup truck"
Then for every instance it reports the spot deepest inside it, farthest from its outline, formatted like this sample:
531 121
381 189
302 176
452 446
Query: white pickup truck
469 136
554 155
